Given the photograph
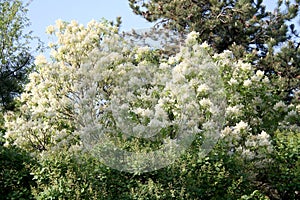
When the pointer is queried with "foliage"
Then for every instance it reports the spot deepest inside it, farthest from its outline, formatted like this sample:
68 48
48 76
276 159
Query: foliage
267 39
283 174
15 178
221 23
16 60
64 175
284 63
96 80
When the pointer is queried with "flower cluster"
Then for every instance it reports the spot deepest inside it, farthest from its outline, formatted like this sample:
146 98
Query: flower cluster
254 110
48 113
99 85
164 100
252 97
75 41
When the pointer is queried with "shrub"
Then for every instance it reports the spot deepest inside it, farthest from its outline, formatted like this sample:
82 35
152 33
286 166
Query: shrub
15 178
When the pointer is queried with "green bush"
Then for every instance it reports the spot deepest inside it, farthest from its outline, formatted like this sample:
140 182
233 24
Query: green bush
284 173
65 175
70 175
15 178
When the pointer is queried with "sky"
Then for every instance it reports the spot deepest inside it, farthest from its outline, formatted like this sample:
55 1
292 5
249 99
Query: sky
43 13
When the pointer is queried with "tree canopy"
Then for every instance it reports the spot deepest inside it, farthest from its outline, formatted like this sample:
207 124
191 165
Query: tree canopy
268 39
99 94
103 117
222 23
15 56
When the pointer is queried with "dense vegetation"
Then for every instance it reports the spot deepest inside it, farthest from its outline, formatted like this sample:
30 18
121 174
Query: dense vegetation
222 116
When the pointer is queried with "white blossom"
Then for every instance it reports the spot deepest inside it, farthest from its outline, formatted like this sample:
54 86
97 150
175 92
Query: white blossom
245 66
280 106
234 110
298 108
59 24
232 81
40 60
259 73
205 102
292 113
203 88
247 153
240 127
226 131
247 83
50 29
266 80
204 45
192 37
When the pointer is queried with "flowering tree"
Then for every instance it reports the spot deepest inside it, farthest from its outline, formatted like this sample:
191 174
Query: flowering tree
81 93
47 114
98 88
269 38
